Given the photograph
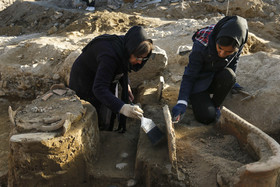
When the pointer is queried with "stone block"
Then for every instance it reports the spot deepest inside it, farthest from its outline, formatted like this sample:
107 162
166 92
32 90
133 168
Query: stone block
152 69
57 157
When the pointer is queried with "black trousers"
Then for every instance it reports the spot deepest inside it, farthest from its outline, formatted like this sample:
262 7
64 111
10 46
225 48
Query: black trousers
90 2
203 105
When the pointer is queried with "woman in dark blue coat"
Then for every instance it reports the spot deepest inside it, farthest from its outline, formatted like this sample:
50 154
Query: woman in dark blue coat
104 63
210 74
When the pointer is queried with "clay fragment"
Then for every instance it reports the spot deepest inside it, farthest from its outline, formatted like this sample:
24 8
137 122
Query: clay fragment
59 91
51 119
52 127
35 120
67 124
58 86
12 114
47 96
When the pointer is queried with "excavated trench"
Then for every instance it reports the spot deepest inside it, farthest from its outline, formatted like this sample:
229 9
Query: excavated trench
129 159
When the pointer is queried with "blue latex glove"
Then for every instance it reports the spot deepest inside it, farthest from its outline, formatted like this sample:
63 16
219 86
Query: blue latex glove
178 112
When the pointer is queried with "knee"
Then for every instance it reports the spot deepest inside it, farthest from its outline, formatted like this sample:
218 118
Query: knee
207 116
229 75
226 78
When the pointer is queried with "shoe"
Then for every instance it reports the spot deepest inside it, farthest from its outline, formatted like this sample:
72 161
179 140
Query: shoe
236 88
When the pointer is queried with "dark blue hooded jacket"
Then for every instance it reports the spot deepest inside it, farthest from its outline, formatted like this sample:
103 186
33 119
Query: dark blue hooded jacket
204 61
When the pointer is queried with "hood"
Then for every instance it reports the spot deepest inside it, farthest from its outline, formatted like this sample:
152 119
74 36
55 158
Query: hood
234 27
124 45
132 39
134 36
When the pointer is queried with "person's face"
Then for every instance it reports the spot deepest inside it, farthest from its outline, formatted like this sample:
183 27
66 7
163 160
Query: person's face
224 51
138 59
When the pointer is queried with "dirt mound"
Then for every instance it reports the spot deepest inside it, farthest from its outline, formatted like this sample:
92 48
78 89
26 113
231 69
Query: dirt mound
261 15
29 17
5 3
35 18
39 16
255 44
101 22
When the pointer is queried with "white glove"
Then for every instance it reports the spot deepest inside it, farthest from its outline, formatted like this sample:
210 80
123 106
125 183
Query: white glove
132 111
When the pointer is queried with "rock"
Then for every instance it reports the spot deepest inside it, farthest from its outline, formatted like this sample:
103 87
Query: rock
152 69
58 15
62 157
183 53
148 93
259 75
131 182
65 68
56 76
124 155
52 30
120 166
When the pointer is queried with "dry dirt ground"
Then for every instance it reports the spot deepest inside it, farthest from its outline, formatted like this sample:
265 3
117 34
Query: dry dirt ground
38 33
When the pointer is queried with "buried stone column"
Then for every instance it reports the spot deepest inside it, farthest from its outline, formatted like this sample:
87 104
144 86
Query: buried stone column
54 141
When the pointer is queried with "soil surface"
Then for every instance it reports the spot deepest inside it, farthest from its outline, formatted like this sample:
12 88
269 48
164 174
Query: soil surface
41 34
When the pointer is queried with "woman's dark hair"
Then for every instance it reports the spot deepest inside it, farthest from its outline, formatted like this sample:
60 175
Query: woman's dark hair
144 47
227 41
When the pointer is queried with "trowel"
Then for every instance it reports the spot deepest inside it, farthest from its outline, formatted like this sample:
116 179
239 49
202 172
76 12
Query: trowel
153 132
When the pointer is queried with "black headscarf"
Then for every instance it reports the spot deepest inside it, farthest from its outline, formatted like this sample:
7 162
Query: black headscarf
133 38
234 27
125 45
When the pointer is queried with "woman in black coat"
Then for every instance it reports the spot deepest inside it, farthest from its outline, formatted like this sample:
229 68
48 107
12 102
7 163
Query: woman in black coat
104 63
210 74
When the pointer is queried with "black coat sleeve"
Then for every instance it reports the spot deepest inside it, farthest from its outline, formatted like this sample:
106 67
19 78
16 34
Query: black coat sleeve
103 83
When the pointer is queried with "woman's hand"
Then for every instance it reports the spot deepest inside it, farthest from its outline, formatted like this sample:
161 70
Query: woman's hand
132 111
130 94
